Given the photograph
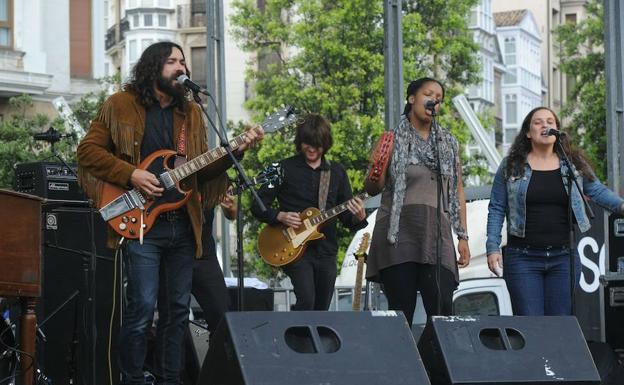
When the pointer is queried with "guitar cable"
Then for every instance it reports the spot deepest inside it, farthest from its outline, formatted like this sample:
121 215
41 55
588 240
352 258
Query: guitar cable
113 307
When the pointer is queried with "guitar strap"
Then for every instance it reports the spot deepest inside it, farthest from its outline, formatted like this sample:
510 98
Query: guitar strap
182 141
324 187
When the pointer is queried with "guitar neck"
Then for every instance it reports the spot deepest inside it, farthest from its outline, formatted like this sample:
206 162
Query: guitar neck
329 214
357 289
205 159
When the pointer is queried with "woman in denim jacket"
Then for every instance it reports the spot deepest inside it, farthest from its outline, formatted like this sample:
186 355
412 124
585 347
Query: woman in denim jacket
531 190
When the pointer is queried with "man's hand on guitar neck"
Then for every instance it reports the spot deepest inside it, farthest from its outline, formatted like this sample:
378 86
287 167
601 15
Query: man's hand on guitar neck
289 219
146 182
252 136
356 207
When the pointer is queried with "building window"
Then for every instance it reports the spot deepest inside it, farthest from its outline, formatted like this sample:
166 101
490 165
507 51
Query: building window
510 135
511 77
198 65
147 3
510 51
511 109
570 18
6 23
132 51
147 20
163 3
135 21
132 3
162 20
146 43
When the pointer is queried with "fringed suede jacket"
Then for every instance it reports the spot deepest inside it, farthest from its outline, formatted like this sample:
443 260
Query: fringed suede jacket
111 150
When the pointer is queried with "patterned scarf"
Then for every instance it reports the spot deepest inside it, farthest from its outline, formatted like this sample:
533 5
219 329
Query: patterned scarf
410 148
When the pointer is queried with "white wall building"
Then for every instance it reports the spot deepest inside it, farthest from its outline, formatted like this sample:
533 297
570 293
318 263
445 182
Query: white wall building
50 48
519 38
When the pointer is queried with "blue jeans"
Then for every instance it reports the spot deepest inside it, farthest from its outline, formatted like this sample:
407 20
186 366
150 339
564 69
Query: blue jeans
538 279
159 271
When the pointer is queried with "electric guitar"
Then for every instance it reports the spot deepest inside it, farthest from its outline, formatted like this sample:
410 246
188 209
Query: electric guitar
360 255
132 215
280 245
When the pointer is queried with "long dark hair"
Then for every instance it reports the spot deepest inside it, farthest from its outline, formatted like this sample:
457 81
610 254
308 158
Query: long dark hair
148 69
315 130
521 147
413 87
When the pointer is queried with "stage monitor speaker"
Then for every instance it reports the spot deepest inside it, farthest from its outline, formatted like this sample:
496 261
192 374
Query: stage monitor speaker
506 350
313 347
65 298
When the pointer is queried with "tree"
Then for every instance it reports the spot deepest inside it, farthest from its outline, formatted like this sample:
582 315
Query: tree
16 133
326 56
582 59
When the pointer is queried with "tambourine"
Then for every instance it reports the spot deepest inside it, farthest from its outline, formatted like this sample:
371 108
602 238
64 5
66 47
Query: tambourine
381 156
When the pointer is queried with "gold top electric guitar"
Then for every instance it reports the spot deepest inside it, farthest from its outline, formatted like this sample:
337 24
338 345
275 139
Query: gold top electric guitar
280 245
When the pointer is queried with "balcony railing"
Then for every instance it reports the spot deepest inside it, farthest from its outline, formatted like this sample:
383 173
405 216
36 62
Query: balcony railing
110 34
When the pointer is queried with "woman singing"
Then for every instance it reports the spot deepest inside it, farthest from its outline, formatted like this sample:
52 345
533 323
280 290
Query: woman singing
403 248
531 190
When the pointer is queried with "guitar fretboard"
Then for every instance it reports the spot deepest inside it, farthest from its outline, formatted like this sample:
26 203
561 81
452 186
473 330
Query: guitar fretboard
204 160
328 214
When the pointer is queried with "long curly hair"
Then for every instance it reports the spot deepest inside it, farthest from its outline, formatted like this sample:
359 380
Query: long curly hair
521 147
148 69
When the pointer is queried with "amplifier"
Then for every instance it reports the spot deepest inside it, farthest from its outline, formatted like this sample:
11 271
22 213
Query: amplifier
50 180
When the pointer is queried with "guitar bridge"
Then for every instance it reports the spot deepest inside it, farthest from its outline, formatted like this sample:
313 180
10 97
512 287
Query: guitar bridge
124 203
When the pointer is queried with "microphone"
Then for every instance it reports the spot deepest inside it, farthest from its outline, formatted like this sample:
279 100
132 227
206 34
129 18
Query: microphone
431 103
553 132
188 83
52 135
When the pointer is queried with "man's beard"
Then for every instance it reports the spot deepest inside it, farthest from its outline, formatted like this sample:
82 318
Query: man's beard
171 87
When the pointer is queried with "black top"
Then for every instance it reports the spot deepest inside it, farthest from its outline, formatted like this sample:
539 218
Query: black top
209 248
158 130
546 211
299 190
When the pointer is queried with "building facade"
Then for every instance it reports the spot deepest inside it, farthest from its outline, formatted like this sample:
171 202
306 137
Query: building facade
521 91
549 14
49 49
132 25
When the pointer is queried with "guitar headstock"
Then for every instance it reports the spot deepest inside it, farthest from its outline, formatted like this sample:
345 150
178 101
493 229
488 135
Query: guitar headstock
271 175
363 247
279 119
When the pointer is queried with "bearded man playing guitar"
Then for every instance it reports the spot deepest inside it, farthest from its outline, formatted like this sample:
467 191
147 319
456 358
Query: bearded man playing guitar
314 274
152 114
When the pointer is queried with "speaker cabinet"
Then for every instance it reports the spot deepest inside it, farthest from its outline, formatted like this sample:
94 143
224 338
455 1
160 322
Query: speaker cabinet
507 350
309 347
72 336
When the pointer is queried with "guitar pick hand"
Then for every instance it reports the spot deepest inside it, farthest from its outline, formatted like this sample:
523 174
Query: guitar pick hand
289 219
146 182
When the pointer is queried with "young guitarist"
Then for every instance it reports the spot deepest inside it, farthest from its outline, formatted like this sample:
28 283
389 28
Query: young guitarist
309 180
153 113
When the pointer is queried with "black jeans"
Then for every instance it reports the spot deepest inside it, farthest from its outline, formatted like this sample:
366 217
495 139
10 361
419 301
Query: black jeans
402 282
313 278
209 290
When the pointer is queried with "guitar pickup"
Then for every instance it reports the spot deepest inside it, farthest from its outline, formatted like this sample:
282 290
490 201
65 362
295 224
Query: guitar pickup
124 203
166 181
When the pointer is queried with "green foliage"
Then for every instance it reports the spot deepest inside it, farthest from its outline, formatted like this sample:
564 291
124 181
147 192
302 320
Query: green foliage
582 57
16 132
326 57
16 138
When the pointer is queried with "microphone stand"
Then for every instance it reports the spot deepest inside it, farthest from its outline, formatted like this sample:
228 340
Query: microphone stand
571 237
244 184
439 191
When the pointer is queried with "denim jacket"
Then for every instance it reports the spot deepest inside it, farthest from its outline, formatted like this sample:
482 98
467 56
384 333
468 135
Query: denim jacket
508 199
